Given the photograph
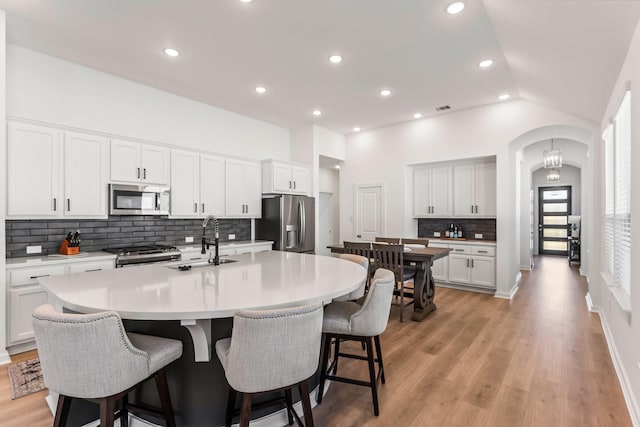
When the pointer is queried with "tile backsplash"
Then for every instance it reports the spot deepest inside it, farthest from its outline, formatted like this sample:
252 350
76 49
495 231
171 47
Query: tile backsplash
470 227
98 234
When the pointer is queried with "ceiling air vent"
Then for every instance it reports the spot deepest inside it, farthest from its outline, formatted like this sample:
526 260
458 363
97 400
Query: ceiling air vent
444 107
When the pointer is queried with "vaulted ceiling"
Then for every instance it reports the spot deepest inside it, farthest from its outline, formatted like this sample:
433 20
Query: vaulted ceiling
564 54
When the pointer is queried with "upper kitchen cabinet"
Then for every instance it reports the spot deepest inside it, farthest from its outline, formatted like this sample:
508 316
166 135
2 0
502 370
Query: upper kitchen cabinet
197 184
137 162
432 191
285 178
474 189
63 173
242 189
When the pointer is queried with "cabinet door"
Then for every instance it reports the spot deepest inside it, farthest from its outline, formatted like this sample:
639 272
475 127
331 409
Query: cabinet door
88 266
440 269
282 179
212 185
485 175
440 187
301 178
33 171
421 193
154 164
22 303
185 186
85 175
252 187
483 271
125 161
459 268
463 190
234 188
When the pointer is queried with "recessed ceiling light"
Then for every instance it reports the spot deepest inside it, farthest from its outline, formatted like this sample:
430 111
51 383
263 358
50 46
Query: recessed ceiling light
246 1
261 89
171 52
337 166
356 129
335 59
417 116
455 7
317 113
385 92
486 63
504 97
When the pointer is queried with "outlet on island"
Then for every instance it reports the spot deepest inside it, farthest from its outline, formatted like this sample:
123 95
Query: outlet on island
232 237
34 249
188 239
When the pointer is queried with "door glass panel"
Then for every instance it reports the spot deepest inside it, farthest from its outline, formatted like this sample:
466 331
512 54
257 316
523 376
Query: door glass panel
555 207
555 220
554 246
555 232
555 194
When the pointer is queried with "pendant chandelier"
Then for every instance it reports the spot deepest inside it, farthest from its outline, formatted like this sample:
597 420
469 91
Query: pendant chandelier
552 158
553 175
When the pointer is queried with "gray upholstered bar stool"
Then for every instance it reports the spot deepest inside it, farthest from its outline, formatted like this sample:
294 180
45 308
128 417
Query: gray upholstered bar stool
358 293
268 351
91 357
346 320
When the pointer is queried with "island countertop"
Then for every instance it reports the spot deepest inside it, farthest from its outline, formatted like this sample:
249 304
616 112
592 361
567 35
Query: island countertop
263 280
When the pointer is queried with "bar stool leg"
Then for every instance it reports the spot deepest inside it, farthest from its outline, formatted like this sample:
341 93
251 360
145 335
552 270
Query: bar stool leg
326 342
62 411
231 404
165 397
289 400
379 351
372 375
245 410
124 411
303 387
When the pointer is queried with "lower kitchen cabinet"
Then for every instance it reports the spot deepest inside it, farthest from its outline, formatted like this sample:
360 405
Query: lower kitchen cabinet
469 265
24 293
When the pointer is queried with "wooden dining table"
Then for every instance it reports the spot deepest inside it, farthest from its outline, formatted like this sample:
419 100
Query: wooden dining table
424 286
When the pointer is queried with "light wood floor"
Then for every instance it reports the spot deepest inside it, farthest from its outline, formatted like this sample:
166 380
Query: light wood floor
538 360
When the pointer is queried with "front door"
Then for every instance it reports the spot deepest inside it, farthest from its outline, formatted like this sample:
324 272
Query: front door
369 218
554 204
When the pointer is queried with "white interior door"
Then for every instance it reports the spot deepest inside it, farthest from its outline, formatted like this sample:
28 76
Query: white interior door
369 209
326 226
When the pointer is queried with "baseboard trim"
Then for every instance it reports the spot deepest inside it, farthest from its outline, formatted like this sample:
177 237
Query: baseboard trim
466 288
510 293
4 357
21 348
590 305
625 383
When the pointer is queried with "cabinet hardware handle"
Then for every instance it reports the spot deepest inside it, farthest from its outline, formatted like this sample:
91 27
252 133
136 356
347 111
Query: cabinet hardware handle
203 208
144 173
471 208
138 173
471 263
459 250
467 262
196 258
476 208
68 205
195 207
482 252
95 269
42 275
289 185
294 185
55 204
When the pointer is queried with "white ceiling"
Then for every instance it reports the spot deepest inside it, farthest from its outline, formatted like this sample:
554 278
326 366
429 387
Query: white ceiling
561 53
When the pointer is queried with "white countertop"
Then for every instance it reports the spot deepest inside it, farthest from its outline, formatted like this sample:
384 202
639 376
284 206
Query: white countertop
463 242
196 246
261 280
57 259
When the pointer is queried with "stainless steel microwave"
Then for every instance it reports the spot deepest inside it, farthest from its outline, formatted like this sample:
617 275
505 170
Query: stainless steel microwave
138 200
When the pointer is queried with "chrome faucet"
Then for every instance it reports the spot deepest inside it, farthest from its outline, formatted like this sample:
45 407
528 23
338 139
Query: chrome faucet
205 243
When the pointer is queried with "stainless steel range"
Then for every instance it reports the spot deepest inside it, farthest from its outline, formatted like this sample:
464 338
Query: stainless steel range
144 254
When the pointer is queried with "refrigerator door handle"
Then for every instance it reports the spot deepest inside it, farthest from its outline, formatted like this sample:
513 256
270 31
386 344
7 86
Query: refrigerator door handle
303 225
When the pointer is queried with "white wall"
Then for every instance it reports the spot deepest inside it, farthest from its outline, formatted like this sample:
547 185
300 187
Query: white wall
499 129
622 330
4 356
48 89
329 182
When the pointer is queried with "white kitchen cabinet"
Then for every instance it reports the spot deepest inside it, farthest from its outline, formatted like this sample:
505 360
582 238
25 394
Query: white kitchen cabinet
212 185
24 293
243 198
474 189
459 271
432 191
134 162
197 185
285 178
440 267
472 265
62 172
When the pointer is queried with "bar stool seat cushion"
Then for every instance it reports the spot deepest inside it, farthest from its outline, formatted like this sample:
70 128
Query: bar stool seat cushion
161 351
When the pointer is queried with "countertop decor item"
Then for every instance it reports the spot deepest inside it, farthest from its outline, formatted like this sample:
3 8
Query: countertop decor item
25 378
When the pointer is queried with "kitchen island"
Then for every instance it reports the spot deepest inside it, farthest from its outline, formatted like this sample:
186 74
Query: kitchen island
196 306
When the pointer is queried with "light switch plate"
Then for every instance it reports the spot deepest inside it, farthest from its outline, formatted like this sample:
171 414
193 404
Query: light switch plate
478 236
232 237
436 234
188 239
34 249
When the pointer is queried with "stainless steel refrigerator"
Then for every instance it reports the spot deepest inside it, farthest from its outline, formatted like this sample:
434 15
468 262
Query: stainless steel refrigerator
289 221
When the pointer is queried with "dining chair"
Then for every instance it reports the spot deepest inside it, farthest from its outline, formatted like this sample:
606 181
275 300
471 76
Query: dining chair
391 257
393 240
415 241
346 320
92 357
361 249
271 350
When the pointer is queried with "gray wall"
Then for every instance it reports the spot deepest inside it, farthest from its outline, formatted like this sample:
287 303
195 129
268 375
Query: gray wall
117 231
486 227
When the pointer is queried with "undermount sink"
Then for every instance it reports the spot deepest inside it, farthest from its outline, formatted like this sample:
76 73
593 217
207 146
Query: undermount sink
184 266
